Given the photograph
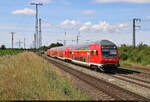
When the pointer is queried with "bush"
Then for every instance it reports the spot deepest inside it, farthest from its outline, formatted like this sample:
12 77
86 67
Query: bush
123 57
139 55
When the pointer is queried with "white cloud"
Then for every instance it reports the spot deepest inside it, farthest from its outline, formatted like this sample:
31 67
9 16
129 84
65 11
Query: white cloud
128 1
103 26
26 11
88 23
70 23
106 27
83 28
42 1
88 12
123 25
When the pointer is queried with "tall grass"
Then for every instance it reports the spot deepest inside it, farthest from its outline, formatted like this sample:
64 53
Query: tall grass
26 76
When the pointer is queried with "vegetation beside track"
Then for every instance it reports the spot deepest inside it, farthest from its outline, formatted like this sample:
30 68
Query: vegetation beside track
130 56
138 55
4 52
26 76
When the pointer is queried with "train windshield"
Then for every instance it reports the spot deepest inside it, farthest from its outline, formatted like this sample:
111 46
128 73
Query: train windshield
109 52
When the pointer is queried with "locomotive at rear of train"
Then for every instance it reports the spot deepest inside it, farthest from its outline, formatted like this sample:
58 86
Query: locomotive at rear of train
100 55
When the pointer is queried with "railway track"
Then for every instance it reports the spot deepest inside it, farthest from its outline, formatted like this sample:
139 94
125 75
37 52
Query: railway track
112 90
129 71
125 77
129 78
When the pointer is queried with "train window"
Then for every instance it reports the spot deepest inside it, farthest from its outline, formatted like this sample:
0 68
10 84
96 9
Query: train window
96 53
92 53
84 59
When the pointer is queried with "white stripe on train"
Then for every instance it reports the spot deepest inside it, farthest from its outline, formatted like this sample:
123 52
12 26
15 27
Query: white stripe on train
79 62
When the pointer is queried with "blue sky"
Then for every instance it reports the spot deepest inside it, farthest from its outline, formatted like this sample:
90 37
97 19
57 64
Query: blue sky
95 19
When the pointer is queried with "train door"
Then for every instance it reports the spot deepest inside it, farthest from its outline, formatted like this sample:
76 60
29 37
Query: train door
72 55
88 58
97 56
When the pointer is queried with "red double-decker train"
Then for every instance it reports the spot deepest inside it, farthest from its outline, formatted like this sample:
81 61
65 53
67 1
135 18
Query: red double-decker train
100 55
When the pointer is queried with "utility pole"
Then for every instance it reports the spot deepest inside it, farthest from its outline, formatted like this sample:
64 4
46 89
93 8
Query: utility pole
40 33
36 24
12 40
65 39
34 42
19 44
134 30
24 43
78 38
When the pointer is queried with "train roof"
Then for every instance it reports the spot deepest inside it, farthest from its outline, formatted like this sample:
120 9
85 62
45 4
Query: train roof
102 43
105 43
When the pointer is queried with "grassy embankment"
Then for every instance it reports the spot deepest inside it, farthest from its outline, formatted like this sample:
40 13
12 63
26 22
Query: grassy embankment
10 51
26 76
139 55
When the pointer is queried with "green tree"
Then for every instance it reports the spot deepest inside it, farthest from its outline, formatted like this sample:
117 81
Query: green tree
50 46
55 45
43 48
3 47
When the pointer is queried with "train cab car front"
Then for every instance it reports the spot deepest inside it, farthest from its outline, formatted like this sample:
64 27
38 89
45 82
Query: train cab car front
110 57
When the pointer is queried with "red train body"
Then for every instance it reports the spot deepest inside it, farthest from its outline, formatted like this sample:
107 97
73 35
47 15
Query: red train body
102 54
